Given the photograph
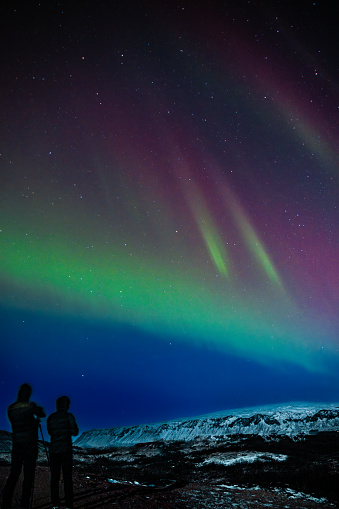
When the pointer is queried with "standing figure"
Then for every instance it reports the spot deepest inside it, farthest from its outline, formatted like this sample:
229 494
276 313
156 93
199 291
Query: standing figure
24 416
61 425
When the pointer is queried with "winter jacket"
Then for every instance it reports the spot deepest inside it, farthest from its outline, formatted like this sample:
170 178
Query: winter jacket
24 418
61 425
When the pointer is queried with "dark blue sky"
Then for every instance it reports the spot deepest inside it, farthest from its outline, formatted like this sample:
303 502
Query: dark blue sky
121 376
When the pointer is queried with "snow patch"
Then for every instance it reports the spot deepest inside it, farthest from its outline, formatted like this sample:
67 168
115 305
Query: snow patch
229 459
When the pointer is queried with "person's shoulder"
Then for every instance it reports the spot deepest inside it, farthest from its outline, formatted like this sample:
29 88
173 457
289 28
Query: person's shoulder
19 405
34 404
37 409
71 416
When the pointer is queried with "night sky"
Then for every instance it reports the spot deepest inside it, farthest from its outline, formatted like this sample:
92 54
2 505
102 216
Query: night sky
169 206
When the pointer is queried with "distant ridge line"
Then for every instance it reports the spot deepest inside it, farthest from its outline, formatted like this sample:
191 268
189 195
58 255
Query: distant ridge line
289 419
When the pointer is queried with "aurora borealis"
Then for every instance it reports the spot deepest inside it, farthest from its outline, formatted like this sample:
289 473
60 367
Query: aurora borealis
169 207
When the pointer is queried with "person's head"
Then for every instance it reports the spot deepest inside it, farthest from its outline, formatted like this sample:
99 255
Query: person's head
63 403
24 392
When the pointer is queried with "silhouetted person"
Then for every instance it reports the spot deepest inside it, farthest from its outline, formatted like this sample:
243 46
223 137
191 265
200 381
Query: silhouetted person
24 417
61 425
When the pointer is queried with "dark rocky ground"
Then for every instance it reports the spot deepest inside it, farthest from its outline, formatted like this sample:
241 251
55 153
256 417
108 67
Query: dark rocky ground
242 472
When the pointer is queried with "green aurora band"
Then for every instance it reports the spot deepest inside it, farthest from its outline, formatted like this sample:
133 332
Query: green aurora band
59 277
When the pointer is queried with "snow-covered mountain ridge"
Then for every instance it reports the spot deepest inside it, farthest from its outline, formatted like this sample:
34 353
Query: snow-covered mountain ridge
290 420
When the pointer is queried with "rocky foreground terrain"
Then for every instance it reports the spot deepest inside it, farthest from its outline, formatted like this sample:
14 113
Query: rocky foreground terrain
235 472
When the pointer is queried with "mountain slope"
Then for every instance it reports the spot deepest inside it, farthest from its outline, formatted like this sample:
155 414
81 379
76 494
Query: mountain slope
290 419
